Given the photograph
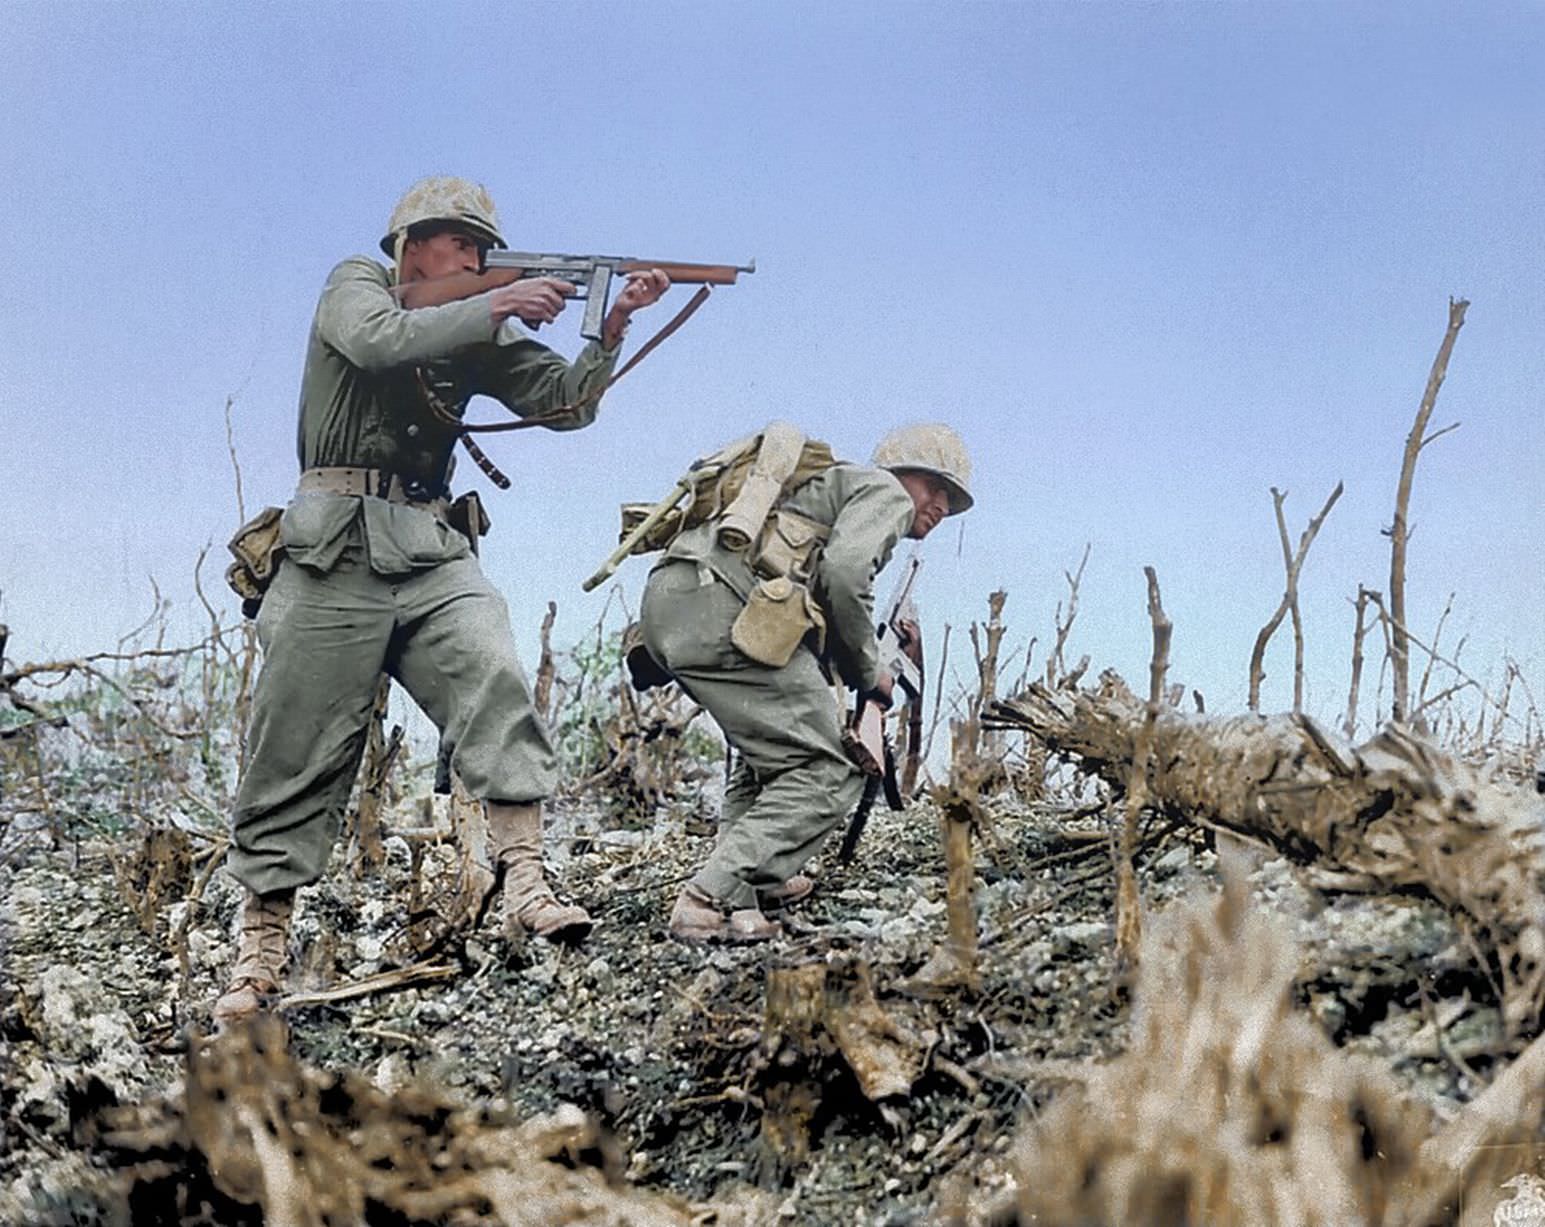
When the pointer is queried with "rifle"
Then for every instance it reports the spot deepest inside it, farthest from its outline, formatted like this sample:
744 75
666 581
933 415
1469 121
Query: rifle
865 738
593 274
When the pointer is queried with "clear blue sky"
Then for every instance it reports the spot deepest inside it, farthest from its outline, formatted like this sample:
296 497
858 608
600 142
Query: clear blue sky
1151 260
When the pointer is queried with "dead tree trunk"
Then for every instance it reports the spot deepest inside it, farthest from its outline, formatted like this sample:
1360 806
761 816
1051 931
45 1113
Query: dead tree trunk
1399 532
546 669
1129 926
1394 814
953 964
986 647
380 755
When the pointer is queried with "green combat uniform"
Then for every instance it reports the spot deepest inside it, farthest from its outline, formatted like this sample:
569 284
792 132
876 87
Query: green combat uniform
793 783
379 581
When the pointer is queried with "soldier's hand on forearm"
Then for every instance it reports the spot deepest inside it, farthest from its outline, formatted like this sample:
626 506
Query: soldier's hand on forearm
643 289
533 300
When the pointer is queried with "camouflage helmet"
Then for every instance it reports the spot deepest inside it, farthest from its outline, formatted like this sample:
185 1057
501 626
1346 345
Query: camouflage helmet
444 198
929 447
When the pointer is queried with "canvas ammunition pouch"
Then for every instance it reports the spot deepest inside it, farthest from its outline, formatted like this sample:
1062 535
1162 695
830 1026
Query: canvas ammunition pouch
775 620
467 516
257 549
787 545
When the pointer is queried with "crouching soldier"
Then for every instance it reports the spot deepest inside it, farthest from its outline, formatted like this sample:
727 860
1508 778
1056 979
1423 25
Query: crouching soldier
752 632
374 576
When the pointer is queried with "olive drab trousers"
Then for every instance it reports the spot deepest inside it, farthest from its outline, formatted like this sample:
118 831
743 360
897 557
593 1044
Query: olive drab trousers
794 783
443 632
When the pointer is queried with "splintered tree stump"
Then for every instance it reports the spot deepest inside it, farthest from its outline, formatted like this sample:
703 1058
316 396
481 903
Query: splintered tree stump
1394 814
469 827
953 964
159 870
366 852
1027 777
1232 1108
1129 927
795 1049
986 646
645 742
258 1137
821 1023
1229 1108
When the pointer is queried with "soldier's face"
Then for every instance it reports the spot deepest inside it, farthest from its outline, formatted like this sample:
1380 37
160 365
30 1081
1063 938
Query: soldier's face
930 501
439 255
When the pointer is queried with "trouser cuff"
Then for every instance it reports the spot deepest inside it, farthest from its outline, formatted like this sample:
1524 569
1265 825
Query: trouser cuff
727 890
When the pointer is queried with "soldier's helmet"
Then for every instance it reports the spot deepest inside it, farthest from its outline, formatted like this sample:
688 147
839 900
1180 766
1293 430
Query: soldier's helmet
929 447
444 198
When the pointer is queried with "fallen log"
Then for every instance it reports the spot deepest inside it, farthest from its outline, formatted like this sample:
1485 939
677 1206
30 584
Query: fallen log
1395 814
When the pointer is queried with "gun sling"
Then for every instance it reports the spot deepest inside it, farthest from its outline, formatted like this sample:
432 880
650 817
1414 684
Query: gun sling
481 459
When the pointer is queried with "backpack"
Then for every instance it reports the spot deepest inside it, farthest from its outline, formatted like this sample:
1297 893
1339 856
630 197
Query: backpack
739 485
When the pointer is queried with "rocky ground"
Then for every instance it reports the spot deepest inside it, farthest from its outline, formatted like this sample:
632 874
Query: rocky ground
659 1041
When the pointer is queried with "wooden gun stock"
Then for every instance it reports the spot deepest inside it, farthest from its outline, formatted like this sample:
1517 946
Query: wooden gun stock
684 273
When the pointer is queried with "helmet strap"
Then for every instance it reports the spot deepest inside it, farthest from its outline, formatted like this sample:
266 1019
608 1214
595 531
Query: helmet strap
400 243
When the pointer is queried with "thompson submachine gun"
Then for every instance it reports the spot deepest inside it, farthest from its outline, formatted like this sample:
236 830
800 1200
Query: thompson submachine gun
591 274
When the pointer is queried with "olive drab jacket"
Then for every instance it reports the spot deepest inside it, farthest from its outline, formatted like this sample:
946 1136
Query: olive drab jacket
868 512
363 404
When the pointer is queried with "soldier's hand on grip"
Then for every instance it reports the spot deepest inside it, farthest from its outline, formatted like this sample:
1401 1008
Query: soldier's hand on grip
535 300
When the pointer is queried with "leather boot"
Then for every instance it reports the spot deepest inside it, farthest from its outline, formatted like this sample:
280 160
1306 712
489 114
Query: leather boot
699 917
515 839
785 894
260 956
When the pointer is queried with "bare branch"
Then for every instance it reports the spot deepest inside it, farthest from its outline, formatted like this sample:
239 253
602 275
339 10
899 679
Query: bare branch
1055 666
230 446
1437 637
1293 563
1437 434
1349 725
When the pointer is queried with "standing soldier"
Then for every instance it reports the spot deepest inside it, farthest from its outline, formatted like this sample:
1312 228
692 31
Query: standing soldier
702 621
375 578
